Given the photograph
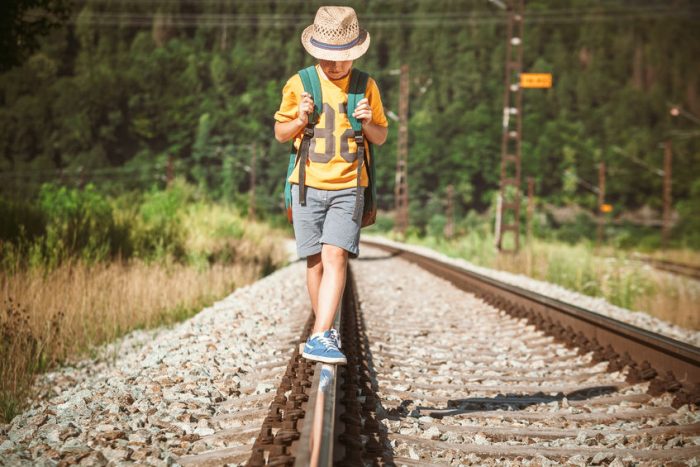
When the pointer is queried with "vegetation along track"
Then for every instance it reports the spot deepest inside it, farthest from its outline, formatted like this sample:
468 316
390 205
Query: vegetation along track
468 374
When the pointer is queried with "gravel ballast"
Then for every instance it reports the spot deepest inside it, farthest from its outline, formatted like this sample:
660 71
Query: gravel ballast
599 305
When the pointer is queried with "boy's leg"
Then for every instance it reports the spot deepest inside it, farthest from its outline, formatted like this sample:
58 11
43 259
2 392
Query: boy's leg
323 345
308 225
334 262
314 272
341 235
339 239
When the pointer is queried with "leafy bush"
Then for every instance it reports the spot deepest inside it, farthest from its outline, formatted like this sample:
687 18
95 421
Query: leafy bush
384 223
158 230
633 237
170 225
78 223
20 219
436 225
689 227
583 228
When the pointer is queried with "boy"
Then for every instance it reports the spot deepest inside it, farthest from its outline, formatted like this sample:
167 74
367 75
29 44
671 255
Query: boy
326 231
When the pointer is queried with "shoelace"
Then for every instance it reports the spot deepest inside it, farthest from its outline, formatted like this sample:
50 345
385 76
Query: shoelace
328 342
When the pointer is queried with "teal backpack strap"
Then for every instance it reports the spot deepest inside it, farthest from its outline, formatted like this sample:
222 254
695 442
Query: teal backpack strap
312 84
356 92
355 95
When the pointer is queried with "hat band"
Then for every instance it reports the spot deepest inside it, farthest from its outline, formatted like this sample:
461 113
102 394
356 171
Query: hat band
323 45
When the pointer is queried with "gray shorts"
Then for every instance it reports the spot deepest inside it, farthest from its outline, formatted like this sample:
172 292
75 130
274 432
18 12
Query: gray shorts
326 218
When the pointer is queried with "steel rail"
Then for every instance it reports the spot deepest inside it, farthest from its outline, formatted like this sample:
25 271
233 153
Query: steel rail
681 269
315 445
674 365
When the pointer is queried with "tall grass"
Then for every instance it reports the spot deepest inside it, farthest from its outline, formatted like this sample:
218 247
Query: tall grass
80 269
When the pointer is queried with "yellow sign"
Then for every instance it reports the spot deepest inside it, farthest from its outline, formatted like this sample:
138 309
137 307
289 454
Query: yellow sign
536 80
606 208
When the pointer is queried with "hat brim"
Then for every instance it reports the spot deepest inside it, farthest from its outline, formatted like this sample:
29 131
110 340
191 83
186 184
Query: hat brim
352 53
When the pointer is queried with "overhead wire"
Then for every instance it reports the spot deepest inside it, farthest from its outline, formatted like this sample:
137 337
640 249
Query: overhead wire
363 3
443 18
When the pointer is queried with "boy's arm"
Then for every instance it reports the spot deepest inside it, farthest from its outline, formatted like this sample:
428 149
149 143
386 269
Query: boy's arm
371 112
375 133
293 115
284 131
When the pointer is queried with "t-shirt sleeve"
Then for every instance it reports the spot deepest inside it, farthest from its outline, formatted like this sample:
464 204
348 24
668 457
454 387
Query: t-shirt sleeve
375 102
289 107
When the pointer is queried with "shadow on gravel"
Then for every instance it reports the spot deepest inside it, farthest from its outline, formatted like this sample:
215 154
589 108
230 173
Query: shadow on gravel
510 402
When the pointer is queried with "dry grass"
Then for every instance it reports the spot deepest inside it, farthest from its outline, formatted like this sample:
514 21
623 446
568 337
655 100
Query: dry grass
685 256
623 282
677 300
50 316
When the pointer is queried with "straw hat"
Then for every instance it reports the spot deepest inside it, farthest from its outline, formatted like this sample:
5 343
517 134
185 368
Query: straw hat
335 35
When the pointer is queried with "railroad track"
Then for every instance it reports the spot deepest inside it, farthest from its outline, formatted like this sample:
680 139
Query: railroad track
501 375
448 368
681 269
445 367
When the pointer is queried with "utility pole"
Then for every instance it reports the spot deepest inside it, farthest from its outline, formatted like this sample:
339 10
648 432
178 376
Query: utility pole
223 44
82 179
401 187
666 229
530 207
170 170
251 198
449 212
509 195
601 201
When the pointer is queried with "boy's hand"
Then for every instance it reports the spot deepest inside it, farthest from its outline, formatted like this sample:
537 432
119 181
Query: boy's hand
363 111
306 107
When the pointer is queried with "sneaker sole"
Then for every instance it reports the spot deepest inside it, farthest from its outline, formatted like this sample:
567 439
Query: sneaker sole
340 361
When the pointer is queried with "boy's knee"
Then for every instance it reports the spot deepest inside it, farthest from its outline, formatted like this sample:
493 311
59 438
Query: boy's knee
334 256
313 261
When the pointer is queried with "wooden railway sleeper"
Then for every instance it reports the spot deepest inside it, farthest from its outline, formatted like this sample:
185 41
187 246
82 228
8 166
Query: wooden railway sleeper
636 371
280 427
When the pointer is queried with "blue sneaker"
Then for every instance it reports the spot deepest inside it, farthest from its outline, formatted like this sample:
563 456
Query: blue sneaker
335 335
323 348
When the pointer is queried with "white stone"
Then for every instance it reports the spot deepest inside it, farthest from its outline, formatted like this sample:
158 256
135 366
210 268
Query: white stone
7 445
431 433
204 431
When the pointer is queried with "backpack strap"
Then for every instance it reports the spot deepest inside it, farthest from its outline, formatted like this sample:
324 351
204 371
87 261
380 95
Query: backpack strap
358 84
309 78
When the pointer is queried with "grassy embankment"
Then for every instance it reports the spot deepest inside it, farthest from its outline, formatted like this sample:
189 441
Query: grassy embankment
80 269
606 272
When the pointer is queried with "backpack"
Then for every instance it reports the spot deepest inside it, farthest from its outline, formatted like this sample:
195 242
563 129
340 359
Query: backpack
356 92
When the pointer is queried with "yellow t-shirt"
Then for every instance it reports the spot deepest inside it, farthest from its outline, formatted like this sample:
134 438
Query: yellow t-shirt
332 161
